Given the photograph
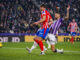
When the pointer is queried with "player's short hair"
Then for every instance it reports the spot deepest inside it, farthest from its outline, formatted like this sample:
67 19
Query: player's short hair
43 5
58 12
73 18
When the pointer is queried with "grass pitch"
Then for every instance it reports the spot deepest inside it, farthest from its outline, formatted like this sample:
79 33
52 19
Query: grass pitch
17 51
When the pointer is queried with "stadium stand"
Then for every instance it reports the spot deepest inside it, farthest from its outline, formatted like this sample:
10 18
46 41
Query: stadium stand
17 15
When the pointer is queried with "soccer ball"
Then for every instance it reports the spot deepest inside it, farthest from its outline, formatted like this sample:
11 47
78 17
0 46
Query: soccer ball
0 44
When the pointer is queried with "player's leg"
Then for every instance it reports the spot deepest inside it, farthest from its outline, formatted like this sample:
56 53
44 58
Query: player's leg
41 34
72 37
52 40
56 50
33 47
49 46
38 40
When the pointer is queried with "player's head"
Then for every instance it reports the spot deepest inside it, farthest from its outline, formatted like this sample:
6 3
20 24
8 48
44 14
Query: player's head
73 20
42 7
57 15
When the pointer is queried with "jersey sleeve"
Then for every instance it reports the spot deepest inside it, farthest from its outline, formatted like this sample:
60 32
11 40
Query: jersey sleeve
62 19
43 13
50 17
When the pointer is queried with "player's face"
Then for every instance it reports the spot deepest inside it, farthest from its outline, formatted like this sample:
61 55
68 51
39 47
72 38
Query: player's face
57 15
42 8
73 20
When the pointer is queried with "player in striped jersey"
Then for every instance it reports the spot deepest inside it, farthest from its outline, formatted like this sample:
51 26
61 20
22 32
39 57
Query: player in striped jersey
45 20
73 30
54 28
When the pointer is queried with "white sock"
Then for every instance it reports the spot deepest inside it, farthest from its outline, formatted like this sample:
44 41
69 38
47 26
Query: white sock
45 48
59 50
34 46
48 43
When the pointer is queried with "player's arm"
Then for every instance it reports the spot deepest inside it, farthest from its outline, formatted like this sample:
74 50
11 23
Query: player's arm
51 21
68 27
76 27
67 15
41 20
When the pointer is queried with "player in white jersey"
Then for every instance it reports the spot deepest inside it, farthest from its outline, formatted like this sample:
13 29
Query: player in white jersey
51 37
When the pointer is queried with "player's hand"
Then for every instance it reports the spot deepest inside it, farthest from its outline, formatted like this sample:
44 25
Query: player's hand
68 7
36 23
31 24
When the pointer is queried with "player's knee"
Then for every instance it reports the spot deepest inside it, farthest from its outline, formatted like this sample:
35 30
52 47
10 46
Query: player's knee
35 38
53 48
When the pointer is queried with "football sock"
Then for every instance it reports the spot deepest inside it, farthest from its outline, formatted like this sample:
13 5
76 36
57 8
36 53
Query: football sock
34 46
40 43
58 50
41 46
48 43
72 40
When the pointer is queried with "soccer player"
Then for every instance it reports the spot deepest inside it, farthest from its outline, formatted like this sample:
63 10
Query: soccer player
45 20
51 36
73 29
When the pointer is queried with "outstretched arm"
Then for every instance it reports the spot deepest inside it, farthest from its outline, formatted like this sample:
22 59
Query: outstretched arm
68 27
67 15
41 20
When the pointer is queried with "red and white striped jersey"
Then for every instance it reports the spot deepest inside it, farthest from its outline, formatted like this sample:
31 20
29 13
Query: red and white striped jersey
48 17
72 26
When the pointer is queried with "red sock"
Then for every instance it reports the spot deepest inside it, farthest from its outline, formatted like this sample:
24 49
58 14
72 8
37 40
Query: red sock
37 41
72 40
41 45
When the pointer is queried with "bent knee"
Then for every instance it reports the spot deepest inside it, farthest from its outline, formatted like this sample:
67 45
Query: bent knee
37 38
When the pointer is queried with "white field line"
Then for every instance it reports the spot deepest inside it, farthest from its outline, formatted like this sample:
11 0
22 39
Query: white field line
38 49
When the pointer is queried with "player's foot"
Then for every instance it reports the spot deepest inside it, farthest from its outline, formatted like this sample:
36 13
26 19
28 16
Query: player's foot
62 51
28 50
49 46
42 53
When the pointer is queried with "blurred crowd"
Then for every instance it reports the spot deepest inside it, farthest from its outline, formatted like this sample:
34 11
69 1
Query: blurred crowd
16 16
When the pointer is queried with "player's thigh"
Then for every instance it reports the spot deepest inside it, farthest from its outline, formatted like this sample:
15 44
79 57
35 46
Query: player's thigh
37 38
52 39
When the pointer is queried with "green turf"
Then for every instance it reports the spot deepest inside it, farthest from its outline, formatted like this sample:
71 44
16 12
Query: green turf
17 51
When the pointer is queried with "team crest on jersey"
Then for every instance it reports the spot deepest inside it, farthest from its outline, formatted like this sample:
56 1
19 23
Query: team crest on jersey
43 12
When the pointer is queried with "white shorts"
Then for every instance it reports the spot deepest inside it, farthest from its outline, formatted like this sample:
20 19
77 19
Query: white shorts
51 38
